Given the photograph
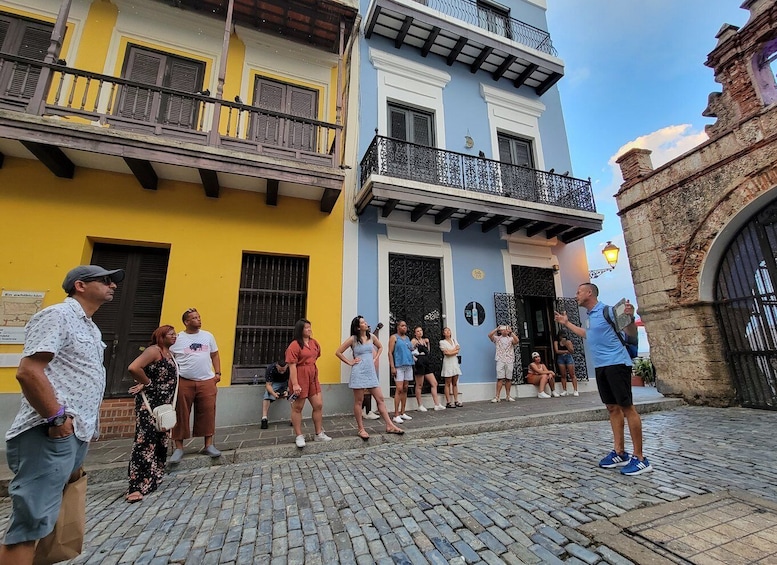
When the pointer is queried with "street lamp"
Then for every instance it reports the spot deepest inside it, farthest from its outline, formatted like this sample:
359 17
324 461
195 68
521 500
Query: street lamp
610 253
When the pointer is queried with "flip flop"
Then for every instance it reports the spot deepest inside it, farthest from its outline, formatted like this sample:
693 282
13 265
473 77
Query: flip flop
362 433
398 432
133 497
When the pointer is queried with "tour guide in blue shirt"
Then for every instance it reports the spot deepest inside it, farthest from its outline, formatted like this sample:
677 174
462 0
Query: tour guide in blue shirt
613 378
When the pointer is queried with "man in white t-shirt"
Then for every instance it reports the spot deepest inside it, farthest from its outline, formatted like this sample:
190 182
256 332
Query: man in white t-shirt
505 341
199 367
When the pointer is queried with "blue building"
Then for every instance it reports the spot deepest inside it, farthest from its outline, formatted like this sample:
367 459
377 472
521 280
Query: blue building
468 213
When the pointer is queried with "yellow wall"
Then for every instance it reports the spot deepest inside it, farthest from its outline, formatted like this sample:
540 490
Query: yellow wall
50 222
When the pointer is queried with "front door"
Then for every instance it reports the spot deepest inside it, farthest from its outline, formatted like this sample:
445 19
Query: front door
415 296
128 321
535 292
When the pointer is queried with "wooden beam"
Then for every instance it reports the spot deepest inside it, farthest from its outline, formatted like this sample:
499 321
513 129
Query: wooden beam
470 219
525 74
400 39
575 234
506 64
547 83
388 207
419 211
559 229
2 160
210 182
371 24
444 214
456 50
271 198
144 172
516 225
329 199
492 223
429 43
53 157
478 62
537 228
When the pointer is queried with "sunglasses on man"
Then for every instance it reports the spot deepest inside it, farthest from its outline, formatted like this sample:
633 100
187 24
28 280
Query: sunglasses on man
106 280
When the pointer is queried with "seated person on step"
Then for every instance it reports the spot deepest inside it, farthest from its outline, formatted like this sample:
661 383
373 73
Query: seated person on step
542 377
277 385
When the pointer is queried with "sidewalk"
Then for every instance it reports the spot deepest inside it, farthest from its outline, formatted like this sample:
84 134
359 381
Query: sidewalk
107 460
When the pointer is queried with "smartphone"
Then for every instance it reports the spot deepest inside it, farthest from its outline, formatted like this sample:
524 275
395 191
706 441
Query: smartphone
294 396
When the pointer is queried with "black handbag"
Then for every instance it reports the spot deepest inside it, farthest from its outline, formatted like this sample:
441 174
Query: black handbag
458 358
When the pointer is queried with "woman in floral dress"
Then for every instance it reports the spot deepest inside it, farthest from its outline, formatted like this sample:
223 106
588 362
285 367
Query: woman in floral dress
156 374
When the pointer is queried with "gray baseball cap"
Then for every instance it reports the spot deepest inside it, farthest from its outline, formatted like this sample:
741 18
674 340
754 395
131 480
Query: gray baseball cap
85 272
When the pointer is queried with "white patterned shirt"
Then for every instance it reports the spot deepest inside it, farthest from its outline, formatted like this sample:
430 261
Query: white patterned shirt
505 349
76 372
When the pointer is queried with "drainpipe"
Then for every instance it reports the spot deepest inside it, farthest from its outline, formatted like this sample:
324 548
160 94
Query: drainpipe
213 134
37 103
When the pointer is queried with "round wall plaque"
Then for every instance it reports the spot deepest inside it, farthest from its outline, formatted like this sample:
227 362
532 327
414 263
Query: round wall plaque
478 275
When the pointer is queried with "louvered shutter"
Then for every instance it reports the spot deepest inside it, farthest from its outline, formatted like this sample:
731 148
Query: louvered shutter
269 95
35 40
398 124
504 150
137 102
5 24
185 76
302 103
422 129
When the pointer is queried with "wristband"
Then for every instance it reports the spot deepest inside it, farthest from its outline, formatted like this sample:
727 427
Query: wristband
59 414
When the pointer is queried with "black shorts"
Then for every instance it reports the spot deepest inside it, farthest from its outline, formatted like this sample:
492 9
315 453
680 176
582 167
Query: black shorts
614 384
421 366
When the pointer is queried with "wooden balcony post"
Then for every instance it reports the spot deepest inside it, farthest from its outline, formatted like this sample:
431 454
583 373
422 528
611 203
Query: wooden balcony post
340 93
38 101
213 134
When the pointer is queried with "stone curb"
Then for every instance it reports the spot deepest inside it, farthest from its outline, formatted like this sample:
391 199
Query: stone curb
118 471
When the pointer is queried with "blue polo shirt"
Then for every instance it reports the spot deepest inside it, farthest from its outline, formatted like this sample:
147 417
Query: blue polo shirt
603 343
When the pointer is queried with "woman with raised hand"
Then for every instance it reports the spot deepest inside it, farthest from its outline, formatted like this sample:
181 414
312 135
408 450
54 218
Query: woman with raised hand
365 349
156 373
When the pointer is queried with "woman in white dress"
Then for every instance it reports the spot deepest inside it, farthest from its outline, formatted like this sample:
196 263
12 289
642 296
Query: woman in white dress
450 368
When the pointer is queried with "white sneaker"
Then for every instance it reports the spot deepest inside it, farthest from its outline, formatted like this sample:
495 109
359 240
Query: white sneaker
405 417
564 393
494 400
398 420
372 416
555 394
300 441
510 399
575 393
322 437
543 394
422 408
439 407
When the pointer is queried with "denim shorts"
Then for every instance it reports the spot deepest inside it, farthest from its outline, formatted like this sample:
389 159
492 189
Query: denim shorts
565 359
41 467
277 387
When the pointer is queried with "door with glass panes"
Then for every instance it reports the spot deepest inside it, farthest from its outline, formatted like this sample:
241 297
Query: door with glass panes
410 153
517 169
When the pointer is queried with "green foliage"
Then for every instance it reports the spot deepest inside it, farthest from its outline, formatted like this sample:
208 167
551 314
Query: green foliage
644 369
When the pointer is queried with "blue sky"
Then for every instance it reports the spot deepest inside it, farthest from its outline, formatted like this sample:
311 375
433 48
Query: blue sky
635 76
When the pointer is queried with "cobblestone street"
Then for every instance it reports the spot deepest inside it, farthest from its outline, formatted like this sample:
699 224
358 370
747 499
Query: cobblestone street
501 497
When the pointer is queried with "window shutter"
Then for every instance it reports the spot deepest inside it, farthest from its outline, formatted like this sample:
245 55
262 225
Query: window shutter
145 67
422 129
398 124
34 44
4 25
302 103
504 150
185 76
269 95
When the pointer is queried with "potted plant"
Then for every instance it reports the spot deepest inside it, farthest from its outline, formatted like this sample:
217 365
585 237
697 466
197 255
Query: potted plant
644 372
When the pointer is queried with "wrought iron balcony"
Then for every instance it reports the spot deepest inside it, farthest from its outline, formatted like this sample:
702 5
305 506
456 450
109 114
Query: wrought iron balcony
472 33
386 161
490 19
167 114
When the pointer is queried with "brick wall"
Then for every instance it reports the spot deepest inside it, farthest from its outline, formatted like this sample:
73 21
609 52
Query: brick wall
117 418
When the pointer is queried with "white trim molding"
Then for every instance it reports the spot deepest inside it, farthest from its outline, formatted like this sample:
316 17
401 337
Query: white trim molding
514 114
406 82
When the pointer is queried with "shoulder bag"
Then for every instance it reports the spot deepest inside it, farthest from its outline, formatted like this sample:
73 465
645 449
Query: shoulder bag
164 414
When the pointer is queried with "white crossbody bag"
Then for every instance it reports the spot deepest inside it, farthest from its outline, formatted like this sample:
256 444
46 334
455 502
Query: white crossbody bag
164 414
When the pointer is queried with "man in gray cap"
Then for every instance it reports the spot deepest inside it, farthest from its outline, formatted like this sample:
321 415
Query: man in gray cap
62 380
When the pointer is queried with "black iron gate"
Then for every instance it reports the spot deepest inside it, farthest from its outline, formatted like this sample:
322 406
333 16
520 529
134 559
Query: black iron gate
746 306
415 296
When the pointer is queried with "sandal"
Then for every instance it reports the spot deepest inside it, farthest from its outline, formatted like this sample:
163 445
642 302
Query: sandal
362 433
459 405
133 497
450 405
396 431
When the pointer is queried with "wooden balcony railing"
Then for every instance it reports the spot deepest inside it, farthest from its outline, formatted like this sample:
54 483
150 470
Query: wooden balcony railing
400 159
161 111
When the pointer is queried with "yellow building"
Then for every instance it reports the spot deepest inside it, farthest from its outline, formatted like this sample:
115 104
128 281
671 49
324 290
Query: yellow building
197 144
